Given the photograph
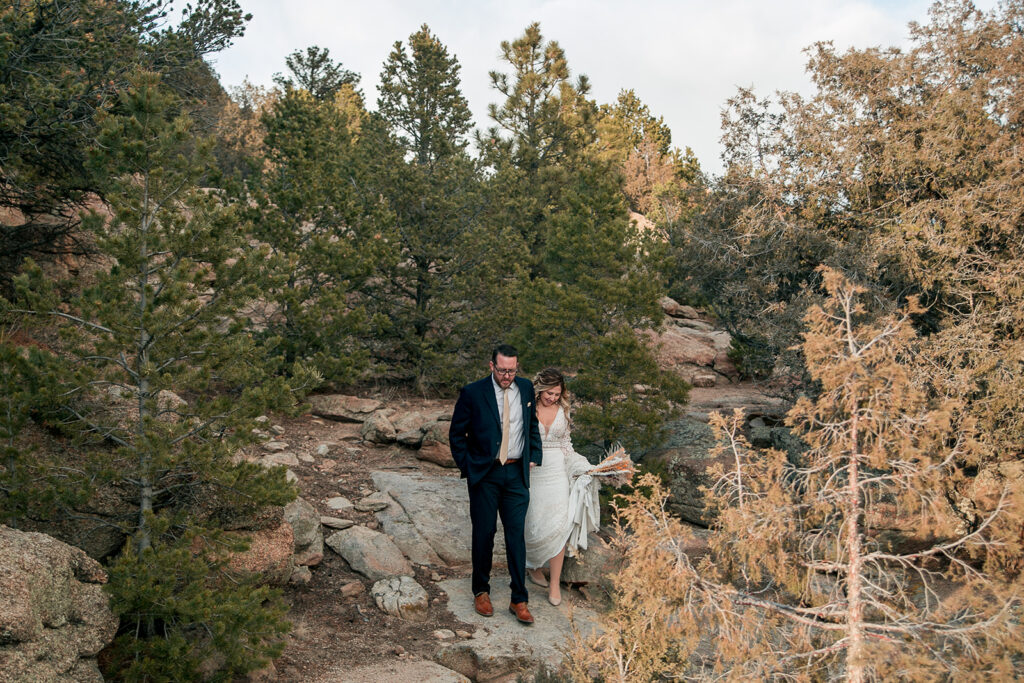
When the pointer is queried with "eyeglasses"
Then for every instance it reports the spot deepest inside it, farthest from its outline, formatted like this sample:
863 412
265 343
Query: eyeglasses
506 373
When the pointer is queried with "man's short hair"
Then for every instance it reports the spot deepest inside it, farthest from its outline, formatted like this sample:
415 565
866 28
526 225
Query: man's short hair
504 350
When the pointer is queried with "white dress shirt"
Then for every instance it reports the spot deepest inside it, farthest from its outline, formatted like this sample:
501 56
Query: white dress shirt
515 417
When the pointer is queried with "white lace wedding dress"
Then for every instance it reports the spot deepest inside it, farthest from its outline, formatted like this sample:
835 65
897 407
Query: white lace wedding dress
563 499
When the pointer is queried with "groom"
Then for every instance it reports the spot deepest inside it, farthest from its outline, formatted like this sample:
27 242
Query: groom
494 437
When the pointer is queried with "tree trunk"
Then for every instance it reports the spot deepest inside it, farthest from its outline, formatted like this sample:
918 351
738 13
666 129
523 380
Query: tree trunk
855 609
141 361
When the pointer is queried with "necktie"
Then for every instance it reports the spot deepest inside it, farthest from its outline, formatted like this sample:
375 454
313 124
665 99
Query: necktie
503 452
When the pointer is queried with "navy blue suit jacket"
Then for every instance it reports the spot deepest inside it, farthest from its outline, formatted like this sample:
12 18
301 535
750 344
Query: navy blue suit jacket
475 433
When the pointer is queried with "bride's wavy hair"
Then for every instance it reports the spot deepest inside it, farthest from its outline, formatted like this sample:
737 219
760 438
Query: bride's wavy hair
549 378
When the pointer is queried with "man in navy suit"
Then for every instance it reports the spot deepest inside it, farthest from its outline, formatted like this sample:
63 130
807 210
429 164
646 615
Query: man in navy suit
495 438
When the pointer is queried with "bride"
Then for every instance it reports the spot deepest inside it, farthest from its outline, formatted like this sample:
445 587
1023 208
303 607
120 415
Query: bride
563 499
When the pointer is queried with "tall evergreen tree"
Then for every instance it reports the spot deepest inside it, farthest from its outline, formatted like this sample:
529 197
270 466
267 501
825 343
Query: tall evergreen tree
542 126
536 119
656 177
164 320
61 65
421 99
324 231
315 72
433 189
592 277
600 286
629 123
24 387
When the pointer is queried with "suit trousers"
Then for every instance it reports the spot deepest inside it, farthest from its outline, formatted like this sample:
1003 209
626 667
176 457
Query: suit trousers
503 492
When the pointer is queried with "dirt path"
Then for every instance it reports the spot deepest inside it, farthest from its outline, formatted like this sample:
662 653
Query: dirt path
333 631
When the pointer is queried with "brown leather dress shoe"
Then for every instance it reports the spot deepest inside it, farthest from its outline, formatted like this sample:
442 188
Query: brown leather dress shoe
482 604
521 611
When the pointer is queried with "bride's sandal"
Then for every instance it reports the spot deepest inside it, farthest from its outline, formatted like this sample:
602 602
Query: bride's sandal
538 579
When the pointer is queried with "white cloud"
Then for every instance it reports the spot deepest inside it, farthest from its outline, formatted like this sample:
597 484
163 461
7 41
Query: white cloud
684 58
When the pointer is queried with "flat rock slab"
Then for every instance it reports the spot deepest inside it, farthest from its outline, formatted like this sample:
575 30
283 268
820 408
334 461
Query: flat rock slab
434 513
501 645
403 532
339 503
336 522
726 398
372 554
397 670
286 458
343 408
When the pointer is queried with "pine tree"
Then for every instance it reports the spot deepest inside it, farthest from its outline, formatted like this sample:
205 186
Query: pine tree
25 371
628 124
539 113
312 208
162 321
849 562
593 277
542 127
240 131
658 180
600 285
61 65
421 100
900 169
433 189
315 72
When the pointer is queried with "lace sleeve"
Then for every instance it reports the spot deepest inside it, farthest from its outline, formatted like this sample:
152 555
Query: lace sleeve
575 464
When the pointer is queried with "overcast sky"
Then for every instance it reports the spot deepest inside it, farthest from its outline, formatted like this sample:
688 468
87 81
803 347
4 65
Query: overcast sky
683 58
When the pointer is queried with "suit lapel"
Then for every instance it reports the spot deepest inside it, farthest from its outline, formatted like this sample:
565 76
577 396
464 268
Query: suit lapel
491 400
527 406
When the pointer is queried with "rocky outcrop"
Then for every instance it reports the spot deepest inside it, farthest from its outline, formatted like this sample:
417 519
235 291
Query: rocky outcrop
593 566
674 309
336 522
691 347
499 648
125 404
992 482
746 396
282 458
375 502
339 504
434 445
686 453
54 615
402 530
409 420
424 429
95 525
687 458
